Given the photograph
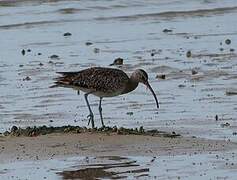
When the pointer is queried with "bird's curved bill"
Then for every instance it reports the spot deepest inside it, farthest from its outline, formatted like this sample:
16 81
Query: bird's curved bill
153 93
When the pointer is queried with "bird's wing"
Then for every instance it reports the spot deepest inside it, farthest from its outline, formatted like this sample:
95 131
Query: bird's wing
97 78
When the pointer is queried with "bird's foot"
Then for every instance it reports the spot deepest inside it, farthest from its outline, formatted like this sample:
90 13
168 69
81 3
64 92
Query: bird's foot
91 119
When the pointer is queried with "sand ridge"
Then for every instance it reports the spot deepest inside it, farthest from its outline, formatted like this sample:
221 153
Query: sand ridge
57 145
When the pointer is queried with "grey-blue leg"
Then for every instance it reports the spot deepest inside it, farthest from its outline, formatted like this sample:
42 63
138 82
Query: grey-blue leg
100 111
90 116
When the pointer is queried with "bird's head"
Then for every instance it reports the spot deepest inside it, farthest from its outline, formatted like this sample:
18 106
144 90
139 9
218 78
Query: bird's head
141 76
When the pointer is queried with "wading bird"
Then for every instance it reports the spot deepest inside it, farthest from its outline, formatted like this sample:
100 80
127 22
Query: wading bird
103 82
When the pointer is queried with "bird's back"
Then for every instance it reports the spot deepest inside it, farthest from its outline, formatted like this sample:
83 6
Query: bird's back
96 80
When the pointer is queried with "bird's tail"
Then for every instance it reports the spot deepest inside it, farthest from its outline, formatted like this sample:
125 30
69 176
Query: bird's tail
66 80
53 86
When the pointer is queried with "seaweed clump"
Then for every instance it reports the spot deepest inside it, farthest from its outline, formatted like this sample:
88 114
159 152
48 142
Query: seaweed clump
43 130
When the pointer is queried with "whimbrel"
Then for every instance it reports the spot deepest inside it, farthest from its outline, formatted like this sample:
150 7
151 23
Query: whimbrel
103 82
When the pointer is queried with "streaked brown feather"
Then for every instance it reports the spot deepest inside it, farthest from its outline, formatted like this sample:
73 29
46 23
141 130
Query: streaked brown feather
96 78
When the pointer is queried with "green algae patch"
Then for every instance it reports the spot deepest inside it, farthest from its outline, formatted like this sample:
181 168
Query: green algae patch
43 130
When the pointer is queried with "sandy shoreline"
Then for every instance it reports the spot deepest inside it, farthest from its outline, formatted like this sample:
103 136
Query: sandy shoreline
58 145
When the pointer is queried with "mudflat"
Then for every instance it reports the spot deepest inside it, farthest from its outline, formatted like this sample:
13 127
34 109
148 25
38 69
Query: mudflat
58 145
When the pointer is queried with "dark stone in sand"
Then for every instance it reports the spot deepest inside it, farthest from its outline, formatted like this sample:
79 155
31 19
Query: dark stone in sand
129 113
228 41
216 117
89 43
23 52
28 50
181 86
96 50
117 61
232 50
162 76
27 78
231 92
225 124
67 34
14 128
188 54
167 30
6 133
54 56
194 72
141 129
39 54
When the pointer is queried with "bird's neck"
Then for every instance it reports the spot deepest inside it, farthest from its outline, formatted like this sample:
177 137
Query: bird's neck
131 85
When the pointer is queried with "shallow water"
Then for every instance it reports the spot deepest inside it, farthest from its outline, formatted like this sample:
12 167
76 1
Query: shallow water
131 30
193 166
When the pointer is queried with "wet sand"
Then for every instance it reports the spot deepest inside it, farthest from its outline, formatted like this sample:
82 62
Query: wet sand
155 36
188 48
60 145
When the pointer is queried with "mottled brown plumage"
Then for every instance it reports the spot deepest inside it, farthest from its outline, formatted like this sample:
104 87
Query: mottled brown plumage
103 82
97 80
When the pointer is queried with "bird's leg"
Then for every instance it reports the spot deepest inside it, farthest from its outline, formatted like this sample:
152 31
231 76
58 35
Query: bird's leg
90 116
100 111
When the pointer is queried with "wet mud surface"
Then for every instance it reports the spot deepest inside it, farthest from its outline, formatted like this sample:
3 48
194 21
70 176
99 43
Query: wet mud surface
188 49
208 166
191 63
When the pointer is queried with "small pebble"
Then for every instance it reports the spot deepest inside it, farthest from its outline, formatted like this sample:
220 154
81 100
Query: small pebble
194 72
130 113
188 54
228 41
167 30
28 50
181 86
67 34
54 56
6 133
27 78
117 61
225 124
232 50
14 128
216 117
231 92
23 52
96 50
39 54
89 43
162 76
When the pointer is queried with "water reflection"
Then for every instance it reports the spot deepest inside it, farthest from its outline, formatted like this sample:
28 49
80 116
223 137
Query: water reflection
116 170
